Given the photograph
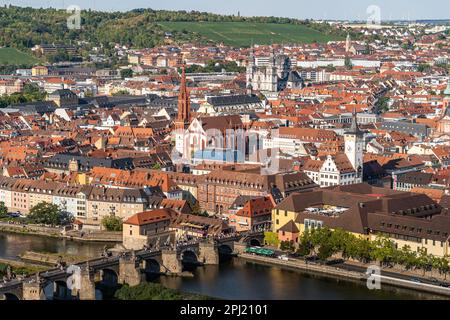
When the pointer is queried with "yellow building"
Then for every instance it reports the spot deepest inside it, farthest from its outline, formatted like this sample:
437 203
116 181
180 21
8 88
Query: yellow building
38 71
366 211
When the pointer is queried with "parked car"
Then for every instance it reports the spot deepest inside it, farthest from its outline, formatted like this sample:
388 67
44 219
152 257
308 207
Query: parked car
14 215
283 257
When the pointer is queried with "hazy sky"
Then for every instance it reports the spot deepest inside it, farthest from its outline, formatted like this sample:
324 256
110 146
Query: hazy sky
318 9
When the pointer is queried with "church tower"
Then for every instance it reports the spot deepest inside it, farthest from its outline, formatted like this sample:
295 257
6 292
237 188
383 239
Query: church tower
348 43
184 105
251 69
354 147
271 79
447 95
444 121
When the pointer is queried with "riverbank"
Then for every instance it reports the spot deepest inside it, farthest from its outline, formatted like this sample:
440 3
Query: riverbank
57 232
21 264
336 272
50 259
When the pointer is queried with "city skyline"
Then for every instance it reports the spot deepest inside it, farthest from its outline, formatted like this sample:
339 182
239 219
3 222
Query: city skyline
325 10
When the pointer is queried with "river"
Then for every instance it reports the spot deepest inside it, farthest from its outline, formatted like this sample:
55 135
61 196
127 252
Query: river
234 279
12 245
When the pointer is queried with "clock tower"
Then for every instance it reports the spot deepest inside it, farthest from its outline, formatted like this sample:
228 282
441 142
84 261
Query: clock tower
354 146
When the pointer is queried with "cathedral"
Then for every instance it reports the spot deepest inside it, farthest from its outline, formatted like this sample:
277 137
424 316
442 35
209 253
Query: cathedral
272 75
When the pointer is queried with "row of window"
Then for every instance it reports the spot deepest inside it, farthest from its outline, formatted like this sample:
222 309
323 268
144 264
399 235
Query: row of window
412 229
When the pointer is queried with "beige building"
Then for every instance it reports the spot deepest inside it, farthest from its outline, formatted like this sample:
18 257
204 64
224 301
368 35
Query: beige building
39 71
88 204
405 218
148 228
122 203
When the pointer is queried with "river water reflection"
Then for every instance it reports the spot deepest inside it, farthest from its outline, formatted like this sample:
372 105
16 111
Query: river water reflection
242 280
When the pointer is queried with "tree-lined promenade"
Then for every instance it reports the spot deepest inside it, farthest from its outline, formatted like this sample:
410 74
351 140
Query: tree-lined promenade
324 243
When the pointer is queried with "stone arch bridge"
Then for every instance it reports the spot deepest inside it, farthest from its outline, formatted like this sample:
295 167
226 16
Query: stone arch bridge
127 268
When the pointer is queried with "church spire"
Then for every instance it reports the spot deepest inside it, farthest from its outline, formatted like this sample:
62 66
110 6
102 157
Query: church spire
354 128
348 43
184 104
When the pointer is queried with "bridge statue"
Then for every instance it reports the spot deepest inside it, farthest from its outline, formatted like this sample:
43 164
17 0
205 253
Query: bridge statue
157 245
8 272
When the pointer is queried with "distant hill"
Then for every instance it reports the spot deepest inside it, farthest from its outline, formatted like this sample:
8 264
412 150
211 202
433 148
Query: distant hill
11 56
245 33
23 28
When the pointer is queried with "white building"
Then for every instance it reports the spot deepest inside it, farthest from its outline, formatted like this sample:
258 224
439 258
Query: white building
342 168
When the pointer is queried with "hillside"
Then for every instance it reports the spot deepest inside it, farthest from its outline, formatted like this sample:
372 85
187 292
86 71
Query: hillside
245 33
11 56
23 28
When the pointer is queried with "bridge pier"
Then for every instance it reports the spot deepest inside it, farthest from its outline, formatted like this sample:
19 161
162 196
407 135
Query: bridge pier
129 271
171 262
208 253
33 290
87 286
239 247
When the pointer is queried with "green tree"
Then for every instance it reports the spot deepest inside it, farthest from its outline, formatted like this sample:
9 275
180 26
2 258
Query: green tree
47 213
156 166
121 93
3 210
126 73
195 207
382 104
304 246
443 266
423 67
153 291
287 246
363 250
271 239
424 261
348 63
112 223
384 251
325 251
31 93
147 291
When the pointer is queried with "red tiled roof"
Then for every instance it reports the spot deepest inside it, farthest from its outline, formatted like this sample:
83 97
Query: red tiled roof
148 217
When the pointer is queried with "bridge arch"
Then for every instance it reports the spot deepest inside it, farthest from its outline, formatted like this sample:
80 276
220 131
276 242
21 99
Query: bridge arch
106 284
152 269
9 296
225 249
152 266
59 290
254 242
189 259
109 277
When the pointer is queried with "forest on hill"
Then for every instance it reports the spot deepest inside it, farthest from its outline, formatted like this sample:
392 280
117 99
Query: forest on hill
25 27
